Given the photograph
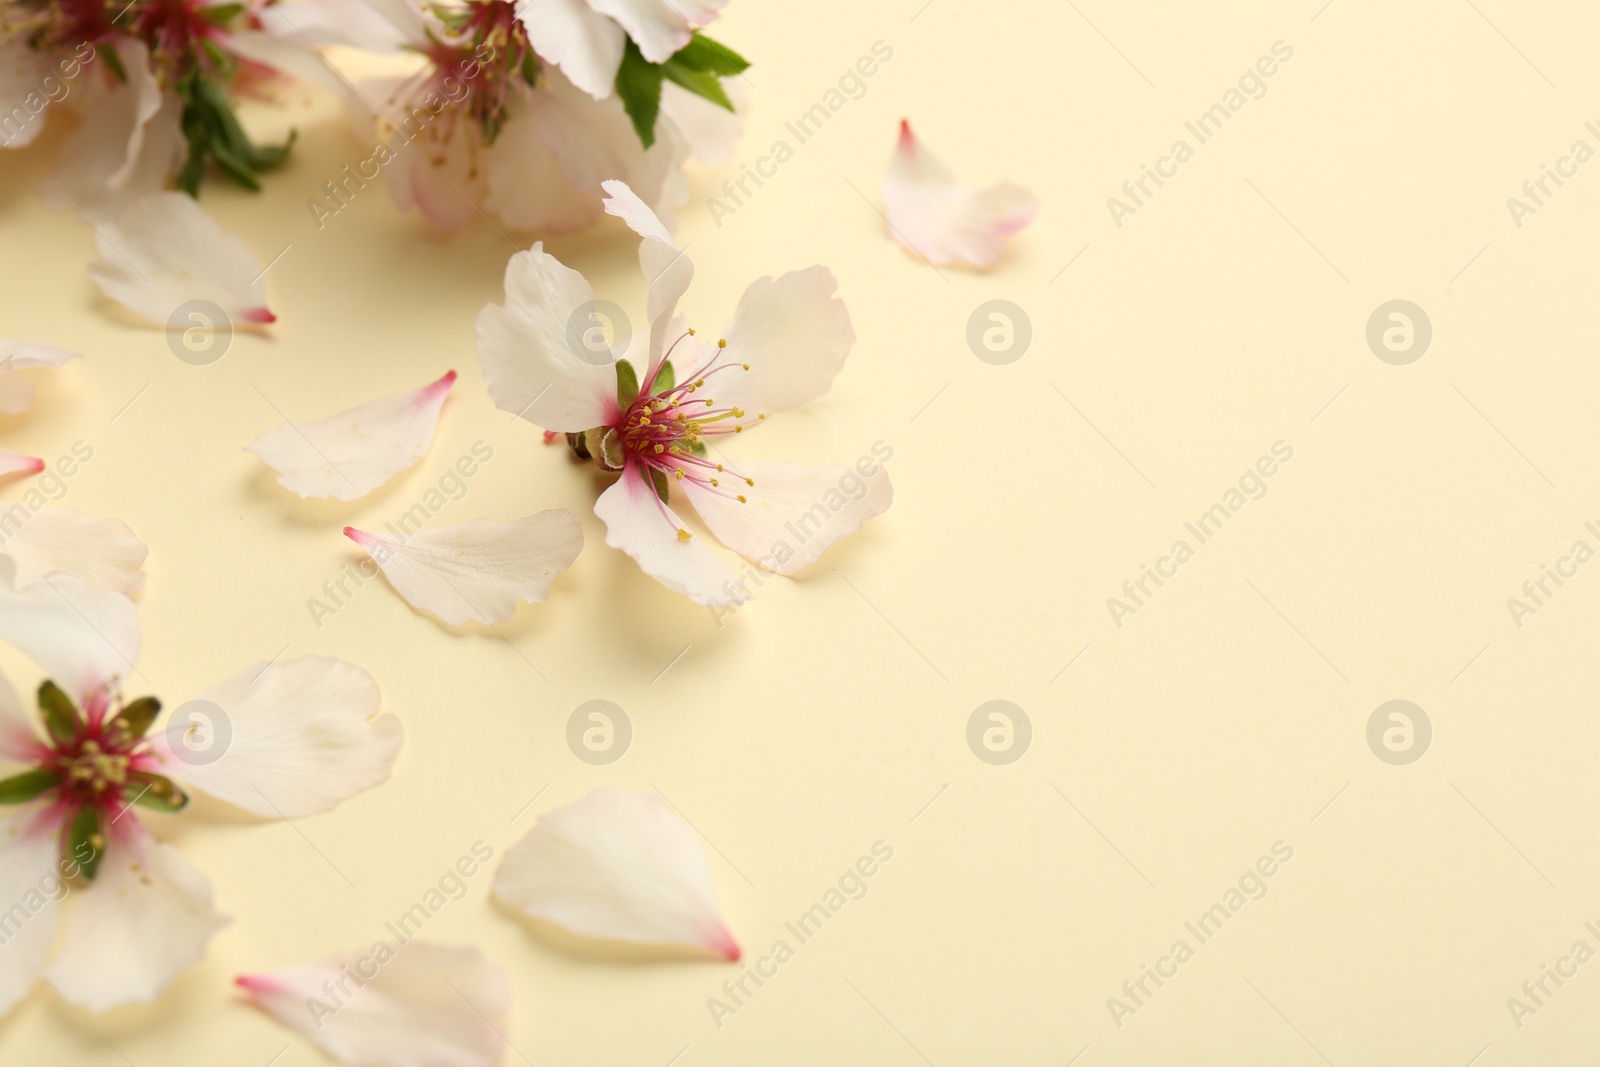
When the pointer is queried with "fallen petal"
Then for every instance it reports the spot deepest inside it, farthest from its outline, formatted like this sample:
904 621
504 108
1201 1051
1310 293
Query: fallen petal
350 454
17 463
103 553
417 1004
16 390
933 216
618 866
164 252
477 571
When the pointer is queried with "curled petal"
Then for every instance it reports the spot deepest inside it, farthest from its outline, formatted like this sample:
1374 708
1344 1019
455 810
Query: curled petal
794 334
417 1004
350 454
532 352
667 270
618 866
103 553
30 887
792 514
17 463
585 44
86 640
352 23
660 27
147 917
646 529
932 215
163 252
16 391
477 571
296 738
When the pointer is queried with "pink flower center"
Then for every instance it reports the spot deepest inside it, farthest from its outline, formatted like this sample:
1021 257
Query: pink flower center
482 55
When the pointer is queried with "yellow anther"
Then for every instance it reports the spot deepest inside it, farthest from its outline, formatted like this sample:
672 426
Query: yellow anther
722 342
749 481
761 416
742 500
713 483
738 429
644 420
684 535
719 468
709 401
691 331
660 449
746 366
698 382
738 413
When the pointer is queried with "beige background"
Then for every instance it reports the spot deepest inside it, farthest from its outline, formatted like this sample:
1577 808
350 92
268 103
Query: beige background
1228 714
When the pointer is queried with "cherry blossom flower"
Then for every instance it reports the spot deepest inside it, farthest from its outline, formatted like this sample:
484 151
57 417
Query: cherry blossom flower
153 82
662 430
279 740
521 110
622 867
934 217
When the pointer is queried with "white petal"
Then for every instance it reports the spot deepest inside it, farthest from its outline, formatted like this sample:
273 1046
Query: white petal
128 145
16 390
103 553
586 45
350 454
145 919
477 571
425 1005
711 130
291 57
19 736
668 270
660 27
441 176
30 886
594 141
27 79
297 738
527 188
646 529
353 23
794 333
793 513
83 639
164 251
17 463
618 866
934 216
532 352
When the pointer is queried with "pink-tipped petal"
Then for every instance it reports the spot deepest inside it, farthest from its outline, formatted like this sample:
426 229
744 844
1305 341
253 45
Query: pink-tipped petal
302 736
646 529
477 571
933 216
350 454
164 256
618 866
17 463
259 315
406 1004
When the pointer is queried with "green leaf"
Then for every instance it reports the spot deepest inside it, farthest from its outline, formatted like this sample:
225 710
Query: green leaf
666 377
60 715
220 14
156 793
698 82
713 57
658 478
25 786
627 384
639 86
135 718
85 843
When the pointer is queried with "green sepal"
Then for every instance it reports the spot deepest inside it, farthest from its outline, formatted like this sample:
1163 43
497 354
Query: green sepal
579 444
658 478
213 132
627 384
21 788
220 14
697 447
697 82
639 85
60 715
156 793
109 57
530 68
136 717
666 378
85 842
713 57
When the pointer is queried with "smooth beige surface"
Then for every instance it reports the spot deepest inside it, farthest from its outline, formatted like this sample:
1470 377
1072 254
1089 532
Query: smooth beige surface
1168 754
